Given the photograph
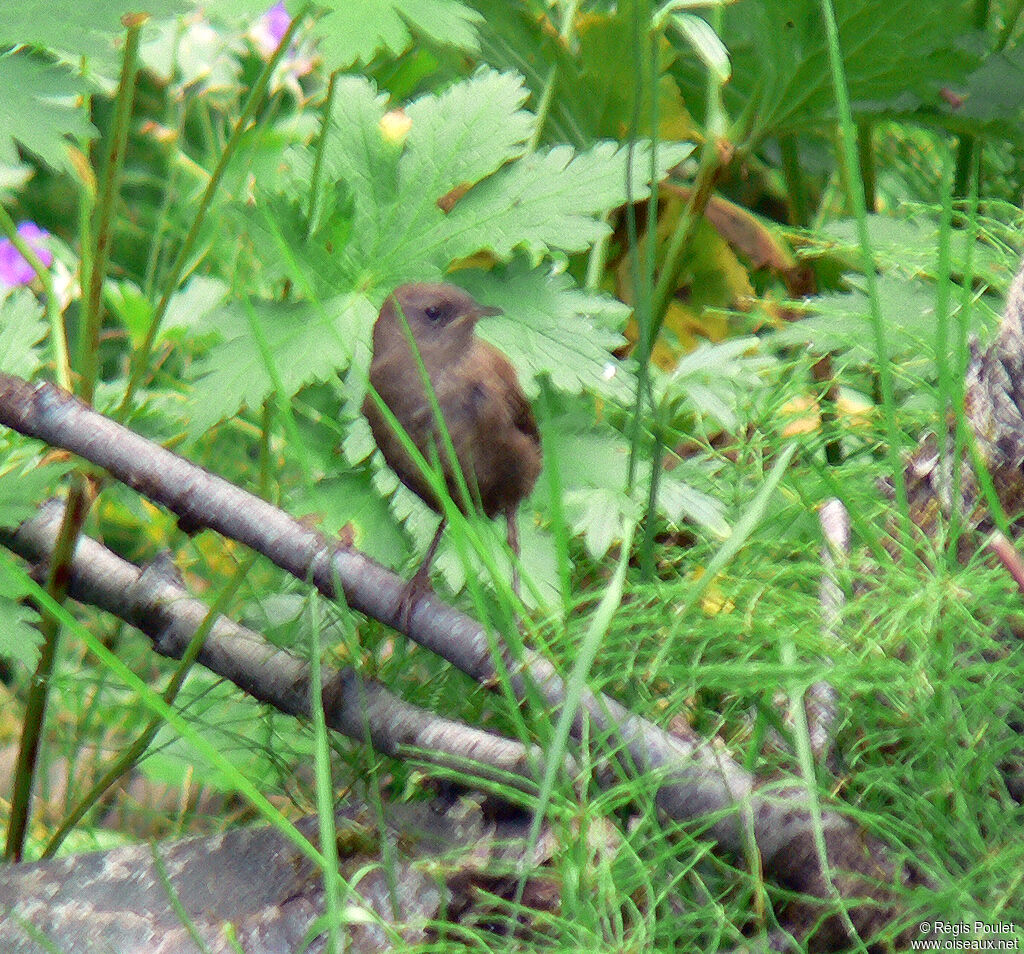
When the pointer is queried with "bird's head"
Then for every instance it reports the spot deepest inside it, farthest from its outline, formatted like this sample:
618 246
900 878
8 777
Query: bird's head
439 315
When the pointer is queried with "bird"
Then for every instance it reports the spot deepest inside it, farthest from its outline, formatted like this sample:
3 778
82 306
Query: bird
489 420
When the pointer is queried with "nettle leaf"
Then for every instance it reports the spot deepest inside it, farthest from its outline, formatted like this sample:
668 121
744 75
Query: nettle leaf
354 31
41 104
305 342
22 327
550 327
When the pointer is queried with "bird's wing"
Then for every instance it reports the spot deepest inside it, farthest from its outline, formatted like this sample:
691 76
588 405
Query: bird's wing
519 410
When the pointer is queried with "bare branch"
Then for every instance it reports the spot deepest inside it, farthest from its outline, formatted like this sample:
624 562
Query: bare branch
694 781
160 607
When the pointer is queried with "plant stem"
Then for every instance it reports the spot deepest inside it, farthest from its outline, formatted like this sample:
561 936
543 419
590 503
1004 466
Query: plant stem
57 582
141 359
866 155
92 318
315 195
796 186
855 196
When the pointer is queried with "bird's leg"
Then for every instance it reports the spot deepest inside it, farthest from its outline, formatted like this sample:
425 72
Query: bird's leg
419 585
513 545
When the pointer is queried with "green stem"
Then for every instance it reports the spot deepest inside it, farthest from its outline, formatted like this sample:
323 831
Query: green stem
796 185
547 94
254 101
968 145
133 754
1010 18
866 155
643 273
92 318
35 707
650 523
850 163
315 195
682 236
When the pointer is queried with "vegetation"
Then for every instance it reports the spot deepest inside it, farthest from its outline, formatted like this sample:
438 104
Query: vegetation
203 212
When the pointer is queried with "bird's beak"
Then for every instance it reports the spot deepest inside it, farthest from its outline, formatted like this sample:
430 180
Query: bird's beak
484 311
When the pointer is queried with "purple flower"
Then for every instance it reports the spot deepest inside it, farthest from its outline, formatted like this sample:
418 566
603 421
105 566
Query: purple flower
14 270
277 21
267 31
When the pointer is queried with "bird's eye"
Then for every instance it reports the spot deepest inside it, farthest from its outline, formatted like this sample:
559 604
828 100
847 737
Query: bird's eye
432 312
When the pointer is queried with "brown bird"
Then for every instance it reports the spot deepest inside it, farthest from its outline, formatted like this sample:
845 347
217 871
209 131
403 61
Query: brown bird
492 428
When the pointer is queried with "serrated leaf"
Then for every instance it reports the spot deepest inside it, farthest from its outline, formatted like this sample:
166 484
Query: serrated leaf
593 461
551 327
680 500
195 306
349 497
306 343
464 134
842 322
20 640
354 31
22 327
593 512
715 379
551 200
40 105
84 28
545 202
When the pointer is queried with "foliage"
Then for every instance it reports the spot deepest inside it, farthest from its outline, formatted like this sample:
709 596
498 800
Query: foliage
673 347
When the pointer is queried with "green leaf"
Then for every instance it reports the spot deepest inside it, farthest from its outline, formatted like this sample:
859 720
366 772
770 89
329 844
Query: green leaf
993 93
349 497
354 31
544 202
896 54
22 327
25 482
41 104
196 305
593 462
84 28
20 640
705 43
306 343
465 133
715 379
842 323
552 328
550 200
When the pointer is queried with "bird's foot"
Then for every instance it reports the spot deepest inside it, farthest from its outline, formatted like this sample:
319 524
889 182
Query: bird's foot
413 591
